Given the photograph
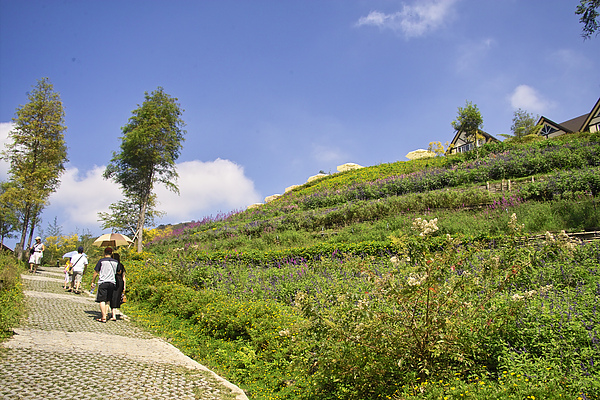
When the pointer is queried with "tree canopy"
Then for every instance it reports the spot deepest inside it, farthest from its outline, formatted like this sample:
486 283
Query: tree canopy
588 9
469 121
123 216
151 143
523 124
37 155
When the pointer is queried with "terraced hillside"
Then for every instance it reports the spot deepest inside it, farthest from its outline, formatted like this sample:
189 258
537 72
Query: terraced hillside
411 279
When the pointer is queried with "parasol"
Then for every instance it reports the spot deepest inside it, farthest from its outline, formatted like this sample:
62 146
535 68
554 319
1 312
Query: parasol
113 240
69 254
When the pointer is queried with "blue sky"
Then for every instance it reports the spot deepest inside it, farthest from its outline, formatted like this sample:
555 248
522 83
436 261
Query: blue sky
276 91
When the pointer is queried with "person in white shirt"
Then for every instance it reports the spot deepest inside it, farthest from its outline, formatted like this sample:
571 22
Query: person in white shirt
79 261
37 252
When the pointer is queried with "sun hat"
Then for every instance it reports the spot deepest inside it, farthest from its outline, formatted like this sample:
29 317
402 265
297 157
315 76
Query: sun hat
38 238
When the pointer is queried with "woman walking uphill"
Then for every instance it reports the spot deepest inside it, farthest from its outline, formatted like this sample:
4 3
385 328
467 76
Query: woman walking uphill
37 252
117 298
105 271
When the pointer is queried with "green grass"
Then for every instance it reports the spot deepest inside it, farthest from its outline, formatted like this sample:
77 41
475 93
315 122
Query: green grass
330 293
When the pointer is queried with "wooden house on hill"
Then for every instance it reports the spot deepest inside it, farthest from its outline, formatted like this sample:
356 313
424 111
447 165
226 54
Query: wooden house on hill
461 144
589 122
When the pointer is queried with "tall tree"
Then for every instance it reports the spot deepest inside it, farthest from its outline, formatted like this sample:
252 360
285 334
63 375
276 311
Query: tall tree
123 216
8 214
37 155
151 144
469 121
588 9
523 124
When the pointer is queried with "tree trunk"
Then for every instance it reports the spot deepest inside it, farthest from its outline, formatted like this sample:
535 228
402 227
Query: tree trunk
21 243
35 213
140 225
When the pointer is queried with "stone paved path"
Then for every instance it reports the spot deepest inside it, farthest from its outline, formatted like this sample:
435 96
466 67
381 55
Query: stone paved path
62 352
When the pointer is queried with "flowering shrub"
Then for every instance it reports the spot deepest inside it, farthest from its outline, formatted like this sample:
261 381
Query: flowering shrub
346 289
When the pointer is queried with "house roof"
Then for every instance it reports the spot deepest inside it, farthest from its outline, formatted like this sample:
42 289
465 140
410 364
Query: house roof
486 135
577 124
595 111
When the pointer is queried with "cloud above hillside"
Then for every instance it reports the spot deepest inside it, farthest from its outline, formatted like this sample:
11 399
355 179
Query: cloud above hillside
205 188
414 20
5 128
528 99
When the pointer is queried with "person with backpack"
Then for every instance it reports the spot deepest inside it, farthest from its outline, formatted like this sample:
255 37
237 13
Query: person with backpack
78 263
105 271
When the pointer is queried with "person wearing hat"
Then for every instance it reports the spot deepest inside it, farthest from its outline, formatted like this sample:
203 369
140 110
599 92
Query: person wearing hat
37 252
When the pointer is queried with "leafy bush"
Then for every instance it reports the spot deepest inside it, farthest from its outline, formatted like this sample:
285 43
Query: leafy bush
327 292
11 294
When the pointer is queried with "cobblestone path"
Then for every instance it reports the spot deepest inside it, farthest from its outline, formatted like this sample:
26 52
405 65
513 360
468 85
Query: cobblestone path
62 352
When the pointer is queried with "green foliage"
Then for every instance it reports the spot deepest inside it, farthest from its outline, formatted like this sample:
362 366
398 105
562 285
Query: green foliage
588 9
469 121
151 143
8 214
123 216
37 154
523 124
349 288
11 294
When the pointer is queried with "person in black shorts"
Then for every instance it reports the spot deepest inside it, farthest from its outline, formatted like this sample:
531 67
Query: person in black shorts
105 270
117 298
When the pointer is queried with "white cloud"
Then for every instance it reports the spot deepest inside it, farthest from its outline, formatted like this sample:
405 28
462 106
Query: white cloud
528 99
206 186
81 196
5 128
414 20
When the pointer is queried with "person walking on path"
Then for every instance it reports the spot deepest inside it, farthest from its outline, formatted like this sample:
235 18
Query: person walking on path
37 252
117 298
105 271
67 274
79 261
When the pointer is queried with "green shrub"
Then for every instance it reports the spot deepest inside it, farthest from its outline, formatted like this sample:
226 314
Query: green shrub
11 294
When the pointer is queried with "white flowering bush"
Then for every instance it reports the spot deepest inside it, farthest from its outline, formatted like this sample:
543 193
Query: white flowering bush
425 227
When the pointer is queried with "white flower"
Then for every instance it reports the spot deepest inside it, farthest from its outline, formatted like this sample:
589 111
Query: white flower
416 279
425 227
514 225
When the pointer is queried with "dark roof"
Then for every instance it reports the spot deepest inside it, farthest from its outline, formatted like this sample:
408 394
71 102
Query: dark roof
482 133
575 124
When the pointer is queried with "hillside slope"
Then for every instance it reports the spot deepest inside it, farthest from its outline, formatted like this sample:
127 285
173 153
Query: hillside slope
410 279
